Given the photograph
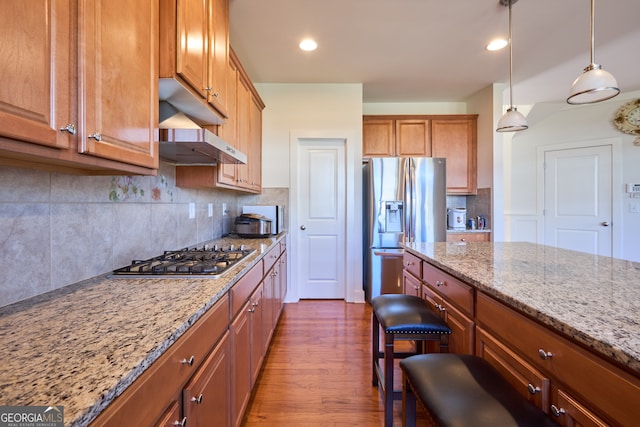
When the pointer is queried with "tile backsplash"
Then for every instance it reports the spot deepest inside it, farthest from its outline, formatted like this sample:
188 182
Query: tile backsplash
59 229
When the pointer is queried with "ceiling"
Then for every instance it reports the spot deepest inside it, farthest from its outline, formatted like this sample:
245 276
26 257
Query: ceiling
434 51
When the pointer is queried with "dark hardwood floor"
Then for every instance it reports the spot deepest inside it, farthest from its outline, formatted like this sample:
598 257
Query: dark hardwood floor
318 370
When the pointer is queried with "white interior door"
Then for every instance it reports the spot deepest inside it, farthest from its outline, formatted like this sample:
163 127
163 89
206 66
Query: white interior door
578 199
321 222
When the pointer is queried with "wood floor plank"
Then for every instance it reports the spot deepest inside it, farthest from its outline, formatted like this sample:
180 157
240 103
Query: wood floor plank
318 370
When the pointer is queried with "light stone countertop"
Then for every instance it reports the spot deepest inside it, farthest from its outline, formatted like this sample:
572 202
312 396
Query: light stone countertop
592 299
82 345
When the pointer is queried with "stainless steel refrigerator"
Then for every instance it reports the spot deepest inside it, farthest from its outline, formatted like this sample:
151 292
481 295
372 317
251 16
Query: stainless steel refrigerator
404 201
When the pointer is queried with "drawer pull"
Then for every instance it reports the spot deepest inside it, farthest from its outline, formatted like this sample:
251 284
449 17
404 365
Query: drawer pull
95 136
557 411
439 283
545 355
69 128
533 389
181 423
189 361
198 399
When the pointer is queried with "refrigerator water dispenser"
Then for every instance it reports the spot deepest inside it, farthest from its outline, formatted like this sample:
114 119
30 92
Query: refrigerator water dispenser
393 214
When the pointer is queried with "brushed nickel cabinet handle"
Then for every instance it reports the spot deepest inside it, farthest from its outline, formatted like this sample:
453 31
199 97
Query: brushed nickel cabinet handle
181 423
533 389
69 128
188 361
198 399
95 136
557 411
544 355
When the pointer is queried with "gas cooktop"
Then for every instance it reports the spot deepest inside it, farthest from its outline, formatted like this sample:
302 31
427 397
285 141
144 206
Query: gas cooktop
206 261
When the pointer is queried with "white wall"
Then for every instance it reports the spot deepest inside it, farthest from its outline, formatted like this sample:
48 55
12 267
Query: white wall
320 109
555 124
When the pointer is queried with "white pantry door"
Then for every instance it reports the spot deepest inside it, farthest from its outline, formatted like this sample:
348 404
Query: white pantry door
321 219
578 199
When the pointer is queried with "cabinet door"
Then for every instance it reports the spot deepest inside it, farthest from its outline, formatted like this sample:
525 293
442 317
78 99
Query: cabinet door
378 138
244 129
241 368
117 95
530 383
461 340
410 284
193 43
37 53
257 334
255 147
171 417
207 396
219 55
228 172
455 139
413 138
569 412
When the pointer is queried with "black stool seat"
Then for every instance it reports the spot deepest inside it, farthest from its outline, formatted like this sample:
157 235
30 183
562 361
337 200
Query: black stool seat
463 390
401 317
407 314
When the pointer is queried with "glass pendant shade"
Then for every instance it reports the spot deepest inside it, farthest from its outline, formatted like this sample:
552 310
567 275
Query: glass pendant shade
512 121
594 85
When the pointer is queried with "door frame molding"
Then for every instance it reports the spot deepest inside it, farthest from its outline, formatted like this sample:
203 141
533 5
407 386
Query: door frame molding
616 185
353 215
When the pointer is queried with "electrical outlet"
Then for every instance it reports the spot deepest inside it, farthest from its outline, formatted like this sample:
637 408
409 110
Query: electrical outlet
224 209
192 210
634 207
210 210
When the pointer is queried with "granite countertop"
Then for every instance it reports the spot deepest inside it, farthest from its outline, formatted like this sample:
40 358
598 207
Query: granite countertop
592 299
82 345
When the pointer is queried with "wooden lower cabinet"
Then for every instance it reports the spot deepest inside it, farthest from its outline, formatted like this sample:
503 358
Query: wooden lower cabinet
241 371
411 284
530 382
586 389
462 326
206 399
172 417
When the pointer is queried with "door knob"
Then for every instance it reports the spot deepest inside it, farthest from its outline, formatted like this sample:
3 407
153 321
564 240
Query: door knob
302 227
605 224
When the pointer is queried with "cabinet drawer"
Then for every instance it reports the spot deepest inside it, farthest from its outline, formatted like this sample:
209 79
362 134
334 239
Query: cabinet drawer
453 290
271 257
151 394
411 285
412 264
468 237
607 388
241 291
530 383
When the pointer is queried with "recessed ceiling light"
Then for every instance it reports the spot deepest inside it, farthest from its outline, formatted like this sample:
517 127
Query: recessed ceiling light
497 44
308 45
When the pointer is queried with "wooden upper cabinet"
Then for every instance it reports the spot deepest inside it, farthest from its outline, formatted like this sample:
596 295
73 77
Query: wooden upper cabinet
378 137
451 136
117 96
72 99
37 88
413 138
395 137
194 52
456 140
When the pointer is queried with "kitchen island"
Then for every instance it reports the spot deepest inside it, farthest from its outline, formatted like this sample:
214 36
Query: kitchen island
81 346
561 314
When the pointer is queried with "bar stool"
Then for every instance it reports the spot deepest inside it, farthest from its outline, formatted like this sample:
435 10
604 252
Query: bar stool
464 390
401 317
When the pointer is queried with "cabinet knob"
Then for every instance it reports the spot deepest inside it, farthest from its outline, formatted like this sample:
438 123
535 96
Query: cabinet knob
216 94
69 128
181 423
95 136
198 399
557 411
188 361
439 283
533 389
208 88
544 355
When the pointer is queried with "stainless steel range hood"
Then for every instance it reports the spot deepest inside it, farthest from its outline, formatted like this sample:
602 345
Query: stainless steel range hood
183 142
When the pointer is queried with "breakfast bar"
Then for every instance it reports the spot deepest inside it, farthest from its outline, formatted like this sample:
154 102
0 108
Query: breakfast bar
561 325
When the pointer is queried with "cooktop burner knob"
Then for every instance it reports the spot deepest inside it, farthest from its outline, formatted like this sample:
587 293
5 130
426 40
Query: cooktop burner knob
231 247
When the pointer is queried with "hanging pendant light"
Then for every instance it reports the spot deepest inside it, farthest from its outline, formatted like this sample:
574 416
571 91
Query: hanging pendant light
595 84
513 120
